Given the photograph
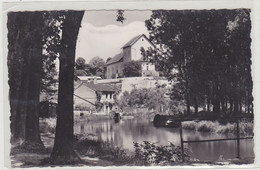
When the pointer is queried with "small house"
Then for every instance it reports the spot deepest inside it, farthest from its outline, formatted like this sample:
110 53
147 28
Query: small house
91 96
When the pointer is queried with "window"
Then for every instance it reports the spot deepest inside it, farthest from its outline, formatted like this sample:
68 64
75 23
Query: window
147 66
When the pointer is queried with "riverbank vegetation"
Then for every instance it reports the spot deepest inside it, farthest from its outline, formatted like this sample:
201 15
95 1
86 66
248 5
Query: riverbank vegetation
153 99
246 128
210 64
146 153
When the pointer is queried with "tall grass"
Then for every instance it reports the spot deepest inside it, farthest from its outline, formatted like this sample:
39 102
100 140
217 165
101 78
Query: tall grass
245 127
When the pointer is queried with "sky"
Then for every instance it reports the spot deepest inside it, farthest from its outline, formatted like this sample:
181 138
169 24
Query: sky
101 35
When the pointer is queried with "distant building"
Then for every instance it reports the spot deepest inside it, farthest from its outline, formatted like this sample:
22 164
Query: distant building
131 52
86 95
88 78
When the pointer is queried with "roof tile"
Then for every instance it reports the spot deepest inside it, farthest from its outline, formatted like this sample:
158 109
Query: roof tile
101 87
115 59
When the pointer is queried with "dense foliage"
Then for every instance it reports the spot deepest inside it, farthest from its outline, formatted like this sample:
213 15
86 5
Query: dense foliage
151 98
207 53
132 69
153 154
95 67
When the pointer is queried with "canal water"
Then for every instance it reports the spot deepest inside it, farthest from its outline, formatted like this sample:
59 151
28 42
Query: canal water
125 132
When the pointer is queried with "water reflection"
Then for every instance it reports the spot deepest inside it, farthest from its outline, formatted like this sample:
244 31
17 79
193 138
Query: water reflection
124 132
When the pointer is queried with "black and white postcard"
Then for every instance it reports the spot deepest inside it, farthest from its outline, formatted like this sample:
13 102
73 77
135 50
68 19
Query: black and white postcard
130 84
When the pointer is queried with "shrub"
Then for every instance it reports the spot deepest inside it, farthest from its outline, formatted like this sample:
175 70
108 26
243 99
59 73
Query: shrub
207 126
152 154
89 145
81 107
190 125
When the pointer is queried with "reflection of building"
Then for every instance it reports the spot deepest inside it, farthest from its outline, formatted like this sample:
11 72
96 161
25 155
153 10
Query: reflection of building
86 95
131 52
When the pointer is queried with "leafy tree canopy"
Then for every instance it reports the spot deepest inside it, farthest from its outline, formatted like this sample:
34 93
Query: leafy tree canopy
80 63
132 69
210 53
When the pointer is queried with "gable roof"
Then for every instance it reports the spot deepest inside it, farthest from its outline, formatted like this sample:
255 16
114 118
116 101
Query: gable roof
115 59
119 56
101 87
135 39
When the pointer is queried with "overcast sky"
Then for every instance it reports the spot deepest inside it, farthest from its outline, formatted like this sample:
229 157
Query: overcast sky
101 35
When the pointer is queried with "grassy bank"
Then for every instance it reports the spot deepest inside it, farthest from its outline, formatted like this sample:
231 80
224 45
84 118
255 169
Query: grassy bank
245 127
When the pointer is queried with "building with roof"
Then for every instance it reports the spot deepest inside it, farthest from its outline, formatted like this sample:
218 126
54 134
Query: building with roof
131 51
88 78
86 95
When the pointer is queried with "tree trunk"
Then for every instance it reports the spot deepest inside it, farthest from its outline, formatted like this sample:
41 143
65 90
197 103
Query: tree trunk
236 106
208 103
14 67
21 110
216 98
240 101
231 106
216 107
196 105
188 104
21 23
27 51
223 106
63 152
248 102
32 134
216 104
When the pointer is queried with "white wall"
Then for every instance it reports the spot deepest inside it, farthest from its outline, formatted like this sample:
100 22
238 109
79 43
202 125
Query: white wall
135 50
85 93
112 69
141 82
150 66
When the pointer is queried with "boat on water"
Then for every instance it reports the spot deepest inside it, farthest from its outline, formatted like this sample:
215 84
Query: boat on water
172 123
165 121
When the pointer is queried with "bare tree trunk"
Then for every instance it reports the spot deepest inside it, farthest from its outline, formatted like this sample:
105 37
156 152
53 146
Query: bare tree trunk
32 135
248 103
196 105
63 152
188 104
26 27
20 116
19 22
236 106
14 67
208 103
